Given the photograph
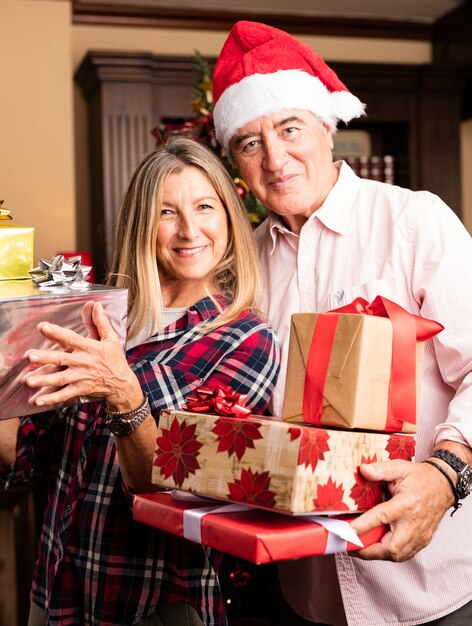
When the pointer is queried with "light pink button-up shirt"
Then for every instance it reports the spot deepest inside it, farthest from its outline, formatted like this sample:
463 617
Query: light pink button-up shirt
370 239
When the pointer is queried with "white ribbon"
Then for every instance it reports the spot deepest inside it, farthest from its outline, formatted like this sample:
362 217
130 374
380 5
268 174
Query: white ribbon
340 533
193 517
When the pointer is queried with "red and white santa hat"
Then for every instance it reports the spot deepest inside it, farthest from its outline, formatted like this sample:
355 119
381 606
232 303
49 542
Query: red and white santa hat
262 70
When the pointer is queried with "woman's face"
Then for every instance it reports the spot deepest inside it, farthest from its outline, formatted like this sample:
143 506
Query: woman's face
192 236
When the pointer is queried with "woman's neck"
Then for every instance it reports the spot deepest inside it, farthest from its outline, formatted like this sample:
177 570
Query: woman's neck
183 295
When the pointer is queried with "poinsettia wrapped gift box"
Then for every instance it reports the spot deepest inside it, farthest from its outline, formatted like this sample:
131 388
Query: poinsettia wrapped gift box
359 366
22 307
250 534
270 463
16 248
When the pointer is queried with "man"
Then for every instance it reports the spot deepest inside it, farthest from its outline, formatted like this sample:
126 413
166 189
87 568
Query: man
329 238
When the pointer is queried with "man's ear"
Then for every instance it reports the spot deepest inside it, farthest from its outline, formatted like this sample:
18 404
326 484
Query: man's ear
329 134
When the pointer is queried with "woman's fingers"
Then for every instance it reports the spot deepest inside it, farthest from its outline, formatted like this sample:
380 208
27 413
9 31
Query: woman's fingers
92 332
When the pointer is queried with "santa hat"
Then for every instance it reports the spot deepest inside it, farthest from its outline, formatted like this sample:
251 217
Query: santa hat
262 70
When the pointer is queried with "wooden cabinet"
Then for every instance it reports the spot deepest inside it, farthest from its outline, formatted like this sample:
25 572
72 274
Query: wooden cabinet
413 113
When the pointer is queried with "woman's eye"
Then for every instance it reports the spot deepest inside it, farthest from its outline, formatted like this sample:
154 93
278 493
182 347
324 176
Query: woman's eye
166 212
204 206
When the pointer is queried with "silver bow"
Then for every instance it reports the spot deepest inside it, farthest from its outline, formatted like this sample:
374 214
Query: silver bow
60 273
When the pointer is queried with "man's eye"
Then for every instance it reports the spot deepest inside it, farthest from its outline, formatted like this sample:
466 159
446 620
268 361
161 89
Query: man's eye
250 145
291 130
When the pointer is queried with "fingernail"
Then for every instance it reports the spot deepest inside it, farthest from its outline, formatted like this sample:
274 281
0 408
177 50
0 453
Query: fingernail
31 382
33 357
46 327
39 402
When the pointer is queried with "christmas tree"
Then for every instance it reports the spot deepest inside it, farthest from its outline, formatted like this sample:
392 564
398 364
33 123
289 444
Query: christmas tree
201 128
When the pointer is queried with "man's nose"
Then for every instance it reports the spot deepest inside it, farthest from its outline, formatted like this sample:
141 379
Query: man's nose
274 156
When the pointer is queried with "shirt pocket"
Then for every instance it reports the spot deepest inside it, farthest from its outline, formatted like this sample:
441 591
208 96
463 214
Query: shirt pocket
369 291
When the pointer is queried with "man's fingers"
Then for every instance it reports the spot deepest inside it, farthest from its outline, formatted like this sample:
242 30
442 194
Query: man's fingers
386 470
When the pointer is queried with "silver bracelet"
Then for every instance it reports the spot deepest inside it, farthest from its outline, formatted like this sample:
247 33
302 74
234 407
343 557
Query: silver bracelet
128 414
124 423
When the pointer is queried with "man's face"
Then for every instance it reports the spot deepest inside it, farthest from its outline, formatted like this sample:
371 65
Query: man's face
286 161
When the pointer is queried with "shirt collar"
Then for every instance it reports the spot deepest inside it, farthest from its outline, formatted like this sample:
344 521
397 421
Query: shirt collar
335 211
198 313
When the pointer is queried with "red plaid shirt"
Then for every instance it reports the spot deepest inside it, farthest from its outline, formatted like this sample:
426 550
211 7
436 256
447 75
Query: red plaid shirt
96 565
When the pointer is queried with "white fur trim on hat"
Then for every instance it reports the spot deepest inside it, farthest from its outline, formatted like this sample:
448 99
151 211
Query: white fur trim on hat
263 94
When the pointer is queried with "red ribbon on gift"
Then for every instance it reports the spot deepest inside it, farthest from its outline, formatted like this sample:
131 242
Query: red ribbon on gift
407 330
221 400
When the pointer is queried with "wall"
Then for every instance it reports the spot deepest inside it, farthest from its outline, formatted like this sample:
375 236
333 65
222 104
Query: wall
36 123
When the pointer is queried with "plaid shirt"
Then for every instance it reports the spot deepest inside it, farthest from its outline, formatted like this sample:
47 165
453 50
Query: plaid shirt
96 565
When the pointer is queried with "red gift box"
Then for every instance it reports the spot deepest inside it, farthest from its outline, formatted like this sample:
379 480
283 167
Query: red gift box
251 534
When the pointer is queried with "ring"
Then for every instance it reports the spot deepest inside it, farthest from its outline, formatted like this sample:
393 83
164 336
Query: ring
83 399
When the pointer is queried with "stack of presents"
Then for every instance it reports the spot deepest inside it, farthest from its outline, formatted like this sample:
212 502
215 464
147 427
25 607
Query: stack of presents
259 488
286 488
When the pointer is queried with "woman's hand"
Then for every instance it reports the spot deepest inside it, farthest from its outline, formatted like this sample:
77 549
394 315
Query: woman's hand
94 366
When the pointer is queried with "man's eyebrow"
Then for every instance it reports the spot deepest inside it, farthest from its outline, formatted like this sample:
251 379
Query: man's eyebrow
240 138
289 120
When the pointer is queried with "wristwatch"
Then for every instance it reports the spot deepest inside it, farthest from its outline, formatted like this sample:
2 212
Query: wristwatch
464 472
122 424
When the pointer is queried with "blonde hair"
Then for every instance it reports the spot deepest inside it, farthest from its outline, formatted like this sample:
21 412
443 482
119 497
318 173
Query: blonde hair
134 265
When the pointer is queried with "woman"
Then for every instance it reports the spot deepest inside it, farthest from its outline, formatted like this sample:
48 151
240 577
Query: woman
190 323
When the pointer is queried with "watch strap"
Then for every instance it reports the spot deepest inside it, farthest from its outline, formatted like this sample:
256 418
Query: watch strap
464 471
451 459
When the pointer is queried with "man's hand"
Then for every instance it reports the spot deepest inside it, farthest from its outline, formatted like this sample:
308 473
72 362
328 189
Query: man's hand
420 497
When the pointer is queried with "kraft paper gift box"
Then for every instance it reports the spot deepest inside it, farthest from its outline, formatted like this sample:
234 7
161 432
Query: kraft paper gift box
22 307
351 370
250 534
16 248
270 463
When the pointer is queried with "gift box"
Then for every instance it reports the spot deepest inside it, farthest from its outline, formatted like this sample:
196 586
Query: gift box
22 307
250 534
270 463
357 367
16 248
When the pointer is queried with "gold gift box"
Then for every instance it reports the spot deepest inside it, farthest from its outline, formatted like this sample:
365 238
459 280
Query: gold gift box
16 248
357 383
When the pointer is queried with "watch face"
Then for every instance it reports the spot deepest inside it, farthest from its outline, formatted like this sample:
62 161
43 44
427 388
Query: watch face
464 483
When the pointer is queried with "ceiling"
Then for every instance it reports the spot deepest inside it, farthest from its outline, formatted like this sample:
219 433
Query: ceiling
423 11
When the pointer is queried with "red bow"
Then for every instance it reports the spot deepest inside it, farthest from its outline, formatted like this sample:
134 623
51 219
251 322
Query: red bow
407 330
221 400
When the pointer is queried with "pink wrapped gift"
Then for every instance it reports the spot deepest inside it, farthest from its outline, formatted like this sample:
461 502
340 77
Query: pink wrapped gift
22 307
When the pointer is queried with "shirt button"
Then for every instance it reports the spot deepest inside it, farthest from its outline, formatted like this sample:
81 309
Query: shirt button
69 508
82 459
